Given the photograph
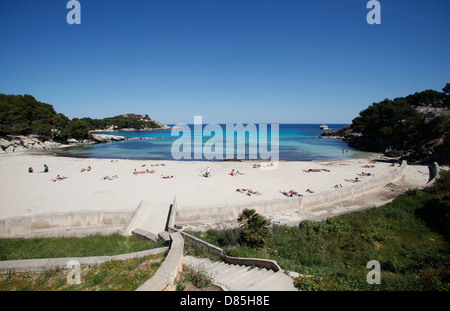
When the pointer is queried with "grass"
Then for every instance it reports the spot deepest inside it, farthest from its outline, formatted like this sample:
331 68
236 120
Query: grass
409 237
96 245
115 275
110 276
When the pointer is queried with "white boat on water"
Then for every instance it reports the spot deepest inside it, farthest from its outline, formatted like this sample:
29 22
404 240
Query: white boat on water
324 127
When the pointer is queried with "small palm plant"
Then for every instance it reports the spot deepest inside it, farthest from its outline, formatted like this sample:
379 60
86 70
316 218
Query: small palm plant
255 228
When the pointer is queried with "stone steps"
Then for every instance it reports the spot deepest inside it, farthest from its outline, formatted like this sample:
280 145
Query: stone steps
239 277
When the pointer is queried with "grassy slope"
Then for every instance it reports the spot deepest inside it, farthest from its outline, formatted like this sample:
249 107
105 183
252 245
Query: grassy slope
407 236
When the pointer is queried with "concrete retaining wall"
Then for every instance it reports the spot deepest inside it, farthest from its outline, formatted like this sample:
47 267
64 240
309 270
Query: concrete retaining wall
256 262
434 174
65 224
163 279
229 213
41 265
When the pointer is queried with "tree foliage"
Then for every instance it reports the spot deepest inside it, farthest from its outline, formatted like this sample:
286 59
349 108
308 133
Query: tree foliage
397 122
130 120
255 228
394 121
24 115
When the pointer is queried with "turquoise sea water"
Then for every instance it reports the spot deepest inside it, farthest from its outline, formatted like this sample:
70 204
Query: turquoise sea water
297 142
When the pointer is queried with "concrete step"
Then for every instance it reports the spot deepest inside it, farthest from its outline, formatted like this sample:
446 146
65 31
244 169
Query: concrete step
245 279
259 277
230 269
241 278
277 282
237 274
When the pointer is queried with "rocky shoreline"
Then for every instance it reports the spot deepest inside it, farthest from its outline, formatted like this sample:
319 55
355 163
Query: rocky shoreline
425 151
20 143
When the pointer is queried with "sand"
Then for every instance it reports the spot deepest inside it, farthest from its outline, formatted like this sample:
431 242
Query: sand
23 193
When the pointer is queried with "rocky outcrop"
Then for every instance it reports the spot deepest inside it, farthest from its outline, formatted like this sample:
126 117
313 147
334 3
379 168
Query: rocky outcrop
104 138
16 144
357 140
435 150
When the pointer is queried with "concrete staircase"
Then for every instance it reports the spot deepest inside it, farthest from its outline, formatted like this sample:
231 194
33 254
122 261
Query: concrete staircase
241 278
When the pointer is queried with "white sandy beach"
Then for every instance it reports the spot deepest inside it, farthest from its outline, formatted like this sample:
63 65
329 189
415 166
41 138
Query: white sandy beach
24 193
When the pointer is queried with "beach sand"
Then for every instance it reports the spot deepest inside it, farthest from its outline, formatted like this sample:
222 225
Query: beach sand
24 193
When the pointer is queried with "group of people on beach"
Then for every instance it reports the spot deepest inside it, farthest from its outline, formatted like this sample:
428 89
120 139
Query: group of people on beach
258 165
316 170
136 172
291 193
206 173
30 169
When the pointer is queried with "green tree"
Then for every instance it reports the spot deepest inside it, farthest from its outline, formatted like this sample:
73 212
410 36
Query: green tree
394 121
446 99
255 228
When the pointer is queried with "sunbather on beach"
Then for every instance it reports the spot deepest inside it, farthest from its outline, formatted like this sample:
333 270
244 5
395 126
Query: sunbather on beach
58 178
309 191
311 170
352 180
166 177
365 174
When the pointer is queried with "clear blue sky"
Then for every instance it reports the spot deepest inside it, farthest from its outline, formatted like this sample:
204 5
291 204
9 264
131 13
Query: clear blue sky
272 61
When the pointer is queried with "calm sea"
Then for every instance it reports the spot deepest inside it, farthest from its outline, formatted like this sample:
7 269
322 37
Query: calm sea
297 142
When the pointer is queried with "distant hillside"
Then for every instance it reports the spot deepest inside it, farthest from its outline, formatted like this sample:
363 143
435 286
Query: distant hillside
130 121
24 115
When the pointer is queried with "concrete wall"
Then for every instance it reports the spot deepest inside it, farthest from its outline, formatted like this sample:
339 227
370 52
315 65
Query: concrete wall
256 262
65 224
229 213
164 278
434 174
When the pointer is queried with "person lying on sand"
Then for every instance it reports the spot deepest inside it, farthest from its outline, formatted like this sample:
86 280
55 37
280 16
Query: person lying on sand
143 172
291 193
309 191
256 165
110 178
315 170
367 166
352 180
58 178
249 191
167 177
337 186
45 169
365 174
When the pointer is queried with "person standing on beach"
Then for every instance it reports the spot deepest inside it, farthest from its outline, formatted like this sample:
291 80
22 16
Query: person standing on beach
208 172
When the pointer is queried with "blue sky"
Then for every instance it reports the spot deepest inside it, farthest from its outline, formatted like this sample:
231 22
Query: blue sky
269 61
